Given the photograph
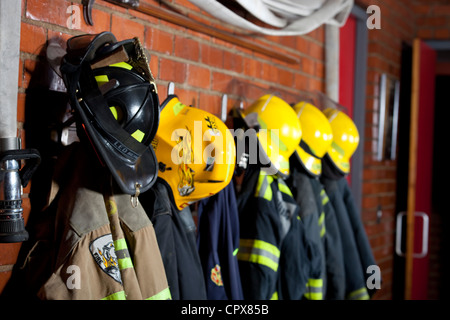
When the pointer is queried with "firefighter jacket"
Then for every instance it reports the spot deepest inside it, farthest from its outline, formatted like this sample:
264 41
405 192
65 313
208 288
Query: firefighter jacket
313 216
362 242
355 285
176 234
334 254
272 258
96 244
218 244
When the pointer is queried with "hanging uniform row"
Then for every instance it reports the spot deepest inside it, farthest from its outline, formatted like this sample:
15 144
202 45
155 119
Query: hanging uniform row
276 218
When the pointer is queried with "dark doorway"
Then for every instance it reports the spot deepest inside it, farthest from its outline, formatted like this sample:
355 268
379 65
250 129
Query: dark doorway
439 278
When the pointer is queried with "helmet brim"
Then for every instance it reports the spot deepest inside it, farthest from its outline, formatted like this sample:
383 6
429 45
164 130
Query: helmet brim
342 163
312 164
130 174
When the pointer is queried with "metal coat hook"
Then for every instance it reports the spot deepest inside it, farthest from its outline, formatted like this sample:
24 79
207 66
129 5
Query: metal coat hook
87 11
170 88
223 115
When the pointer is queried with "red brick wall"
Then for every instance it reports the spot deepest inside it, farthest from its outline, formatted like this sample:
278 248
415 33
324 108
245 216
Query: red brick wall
432 19
204 68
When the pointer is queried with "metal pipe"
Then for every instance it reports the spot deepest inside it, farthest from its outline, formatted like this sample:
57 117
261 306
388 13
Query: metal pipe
12 176
9 71
332 62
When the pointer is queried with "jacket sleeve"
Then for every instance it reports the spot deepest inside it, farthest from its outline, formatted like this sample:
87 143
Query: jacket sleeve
355 285
362 242
333 252
218 242
314 225
260 242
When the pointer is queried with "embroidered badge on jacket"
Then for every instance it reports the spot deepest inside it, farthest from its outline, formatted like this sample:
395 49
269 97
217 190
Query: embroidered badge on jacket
216 276
102 249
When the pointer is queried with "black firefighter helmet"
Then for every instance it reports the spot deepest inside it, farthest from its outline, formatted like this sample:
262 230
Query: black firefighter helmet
113 93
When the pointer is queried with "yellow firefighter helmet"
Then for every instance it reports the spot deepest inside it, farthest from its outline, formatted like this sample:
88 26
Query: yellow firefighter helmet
278 130
195 150
345 138
317 137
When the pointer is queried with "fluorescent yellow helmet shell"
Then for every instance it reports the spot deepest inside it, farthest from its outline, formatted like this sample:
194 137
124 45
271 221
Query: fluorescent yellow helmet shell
195 151
345 138
279 130
317 137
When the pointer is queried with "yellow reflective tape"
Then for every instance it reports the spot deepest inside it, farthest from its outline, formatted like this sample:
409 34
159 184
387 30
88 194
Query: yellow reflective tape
120 244
324 196
125 263
316 283
263 189
322 224
260 245
259 259
162 295
274 296
314 289
260 252
284 188
114 112
321 218
122 65
360 294
138 135
101 79
116 296
314 296
338 148
177 108
235 252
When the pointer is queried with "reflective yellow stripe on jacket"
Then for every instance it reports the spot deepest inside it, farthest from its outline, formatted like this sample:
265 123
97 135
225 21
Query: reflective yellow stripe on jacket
314 289
116 296
324 197
120 295
258 251
163 295
123 255
360 294
263 189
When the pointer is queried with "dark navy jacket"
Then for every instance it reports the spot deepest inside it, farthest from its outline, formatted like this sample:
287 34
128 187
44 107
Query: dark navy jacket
176 234
218 243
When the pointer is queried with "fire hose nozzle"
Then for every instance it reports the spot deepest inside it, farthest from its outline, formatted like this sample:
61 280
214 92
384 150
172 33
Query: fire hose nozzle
12 180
